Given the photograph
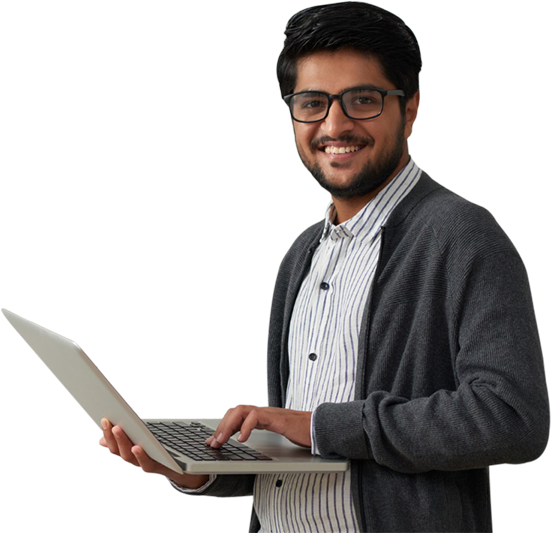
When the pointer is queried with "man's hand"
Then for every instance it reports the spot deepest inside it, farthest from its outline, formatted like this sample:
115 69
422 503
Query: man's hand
294 425
118 443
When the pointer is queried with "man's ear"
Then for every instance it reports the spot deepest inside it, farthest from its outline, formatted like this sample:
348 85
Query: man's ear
412 106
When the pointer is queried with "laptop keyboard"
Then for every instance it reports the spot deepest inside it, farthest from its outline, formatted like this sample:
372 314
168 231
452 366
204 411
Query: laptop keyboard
189 439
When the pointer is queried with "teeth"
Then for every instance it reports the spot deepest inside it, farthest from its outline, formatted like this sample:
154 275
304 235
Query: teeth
341 149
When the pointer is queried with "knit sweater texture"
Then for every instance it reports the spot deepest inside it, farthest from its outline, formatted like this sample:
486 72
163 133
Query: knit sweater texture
450 376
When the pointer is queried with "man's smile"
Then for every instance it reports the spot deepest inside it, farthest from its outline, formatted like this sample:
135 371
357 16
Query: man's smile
335 149
341 149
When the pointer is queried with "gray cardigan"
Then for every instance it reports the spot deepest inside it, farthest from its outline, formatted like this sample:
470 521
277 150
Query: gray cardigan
450 375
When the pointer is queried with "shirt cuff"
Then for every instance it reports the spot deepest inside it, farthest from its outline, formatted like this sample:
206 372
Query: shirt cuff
315 450
199 490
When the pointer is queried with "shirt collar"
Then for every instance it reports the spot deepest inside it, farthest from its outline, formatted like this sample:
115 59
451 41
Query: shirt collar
367 223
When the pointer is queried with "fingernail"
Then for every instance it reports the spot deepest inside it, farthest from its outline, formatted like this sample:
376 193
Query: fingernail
219 438
104 424
240 438
209 440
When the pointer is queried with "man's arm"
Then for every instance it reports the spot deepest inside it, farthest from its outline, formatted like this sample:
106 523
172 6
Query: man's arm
499 410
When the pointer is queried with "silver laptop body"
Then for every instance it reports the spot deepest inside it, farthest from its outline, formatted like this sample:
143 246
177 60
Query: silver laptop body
100 400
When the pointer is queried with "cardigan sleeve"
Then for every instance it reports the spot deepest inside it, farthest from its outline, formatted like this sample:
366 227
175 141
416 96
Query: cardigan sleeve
199 490
499 410
223 485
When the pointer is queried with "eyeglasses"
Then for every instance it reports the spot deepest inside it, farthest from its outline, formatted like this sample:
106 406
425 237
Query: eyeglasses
359 103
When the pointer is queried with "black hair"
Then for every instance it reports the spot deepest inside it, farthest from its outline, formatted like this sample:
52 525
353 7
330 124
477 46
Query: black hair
355 25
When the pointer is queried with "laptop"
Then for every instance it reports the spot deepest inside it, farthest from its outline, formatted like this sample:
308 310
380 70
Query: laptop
177 444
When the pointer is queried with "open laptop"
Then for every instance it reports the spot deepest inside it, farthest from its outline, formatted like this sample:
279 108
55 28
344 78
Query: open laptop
177 444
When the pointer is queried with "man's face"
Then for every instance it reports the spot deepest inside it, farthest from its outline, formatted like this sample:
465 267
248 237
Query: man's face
378 147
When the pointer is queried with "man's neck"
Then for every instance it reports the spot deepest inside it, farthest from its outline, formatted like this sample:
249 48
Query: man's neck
346 208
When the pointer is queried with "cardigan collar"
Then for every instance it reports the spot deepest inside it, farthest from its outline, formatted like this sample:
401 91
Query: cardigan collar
424 187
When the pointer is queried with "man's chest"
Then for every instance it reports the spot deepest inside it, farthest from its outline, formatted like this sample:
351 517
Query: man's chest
326 320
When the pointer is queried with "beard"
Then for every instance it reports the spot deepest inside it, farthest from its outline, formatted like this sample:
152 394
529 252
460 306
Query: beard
370 177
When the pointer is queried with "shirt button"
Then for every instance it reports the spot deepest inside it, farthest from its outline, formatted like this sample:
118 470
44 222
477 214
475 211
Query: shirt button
324 286
312 357
279 483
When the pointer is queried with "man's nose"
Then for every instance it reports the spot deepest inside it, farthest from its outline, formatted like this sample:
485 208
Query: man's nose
336 122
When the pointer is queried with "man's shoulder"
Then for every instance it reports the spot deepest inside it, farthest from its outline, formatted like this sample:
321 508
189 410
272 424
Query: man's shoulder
445 210
432 203
451 219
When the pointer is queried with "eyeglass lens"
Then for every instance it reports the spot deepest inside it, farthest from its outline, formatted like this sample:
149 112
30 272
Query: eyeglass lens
357 103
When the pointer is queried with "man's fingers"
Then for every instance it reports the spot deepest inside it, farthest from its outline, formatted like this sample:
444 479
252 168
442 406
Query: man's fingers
243 419
230 424
224 430
125 446
250 423
116 440
153 467
219 438
110 441
144 461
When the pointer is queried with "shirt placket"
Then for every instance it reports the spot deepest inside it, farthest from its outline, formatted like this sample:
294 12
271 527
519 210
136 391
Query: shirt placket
327 281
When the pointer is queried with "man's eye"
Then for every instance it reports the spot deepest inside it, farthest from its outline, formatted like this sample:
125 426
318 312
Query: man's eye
311 104
363 100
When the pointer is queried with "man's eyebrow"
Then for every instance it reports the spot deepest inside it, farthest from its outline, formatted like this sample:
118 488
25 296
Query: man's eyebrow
363 86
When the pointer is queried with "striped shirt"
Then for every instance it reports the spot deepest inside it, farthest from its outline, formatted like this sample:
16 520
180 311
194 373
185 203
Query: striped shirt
323 349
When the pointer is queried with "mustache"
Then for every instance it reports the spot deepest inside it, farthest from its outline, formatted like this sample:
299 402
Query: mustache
349 139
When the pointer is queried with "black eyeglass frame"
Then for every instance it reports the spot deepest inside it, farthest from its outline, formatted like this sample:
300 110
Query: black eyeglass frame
394 92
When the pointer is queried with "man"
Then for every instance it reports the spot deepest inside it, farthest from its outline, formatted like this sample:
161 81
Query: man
402 333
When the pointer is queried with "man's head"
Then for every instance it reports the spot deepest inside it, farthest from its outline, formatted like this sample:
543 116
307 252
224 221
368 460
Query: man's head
331 49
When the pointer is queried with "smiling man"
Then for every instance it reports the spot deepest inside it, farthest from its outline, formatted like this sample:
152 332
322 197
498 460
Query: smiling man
402 333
